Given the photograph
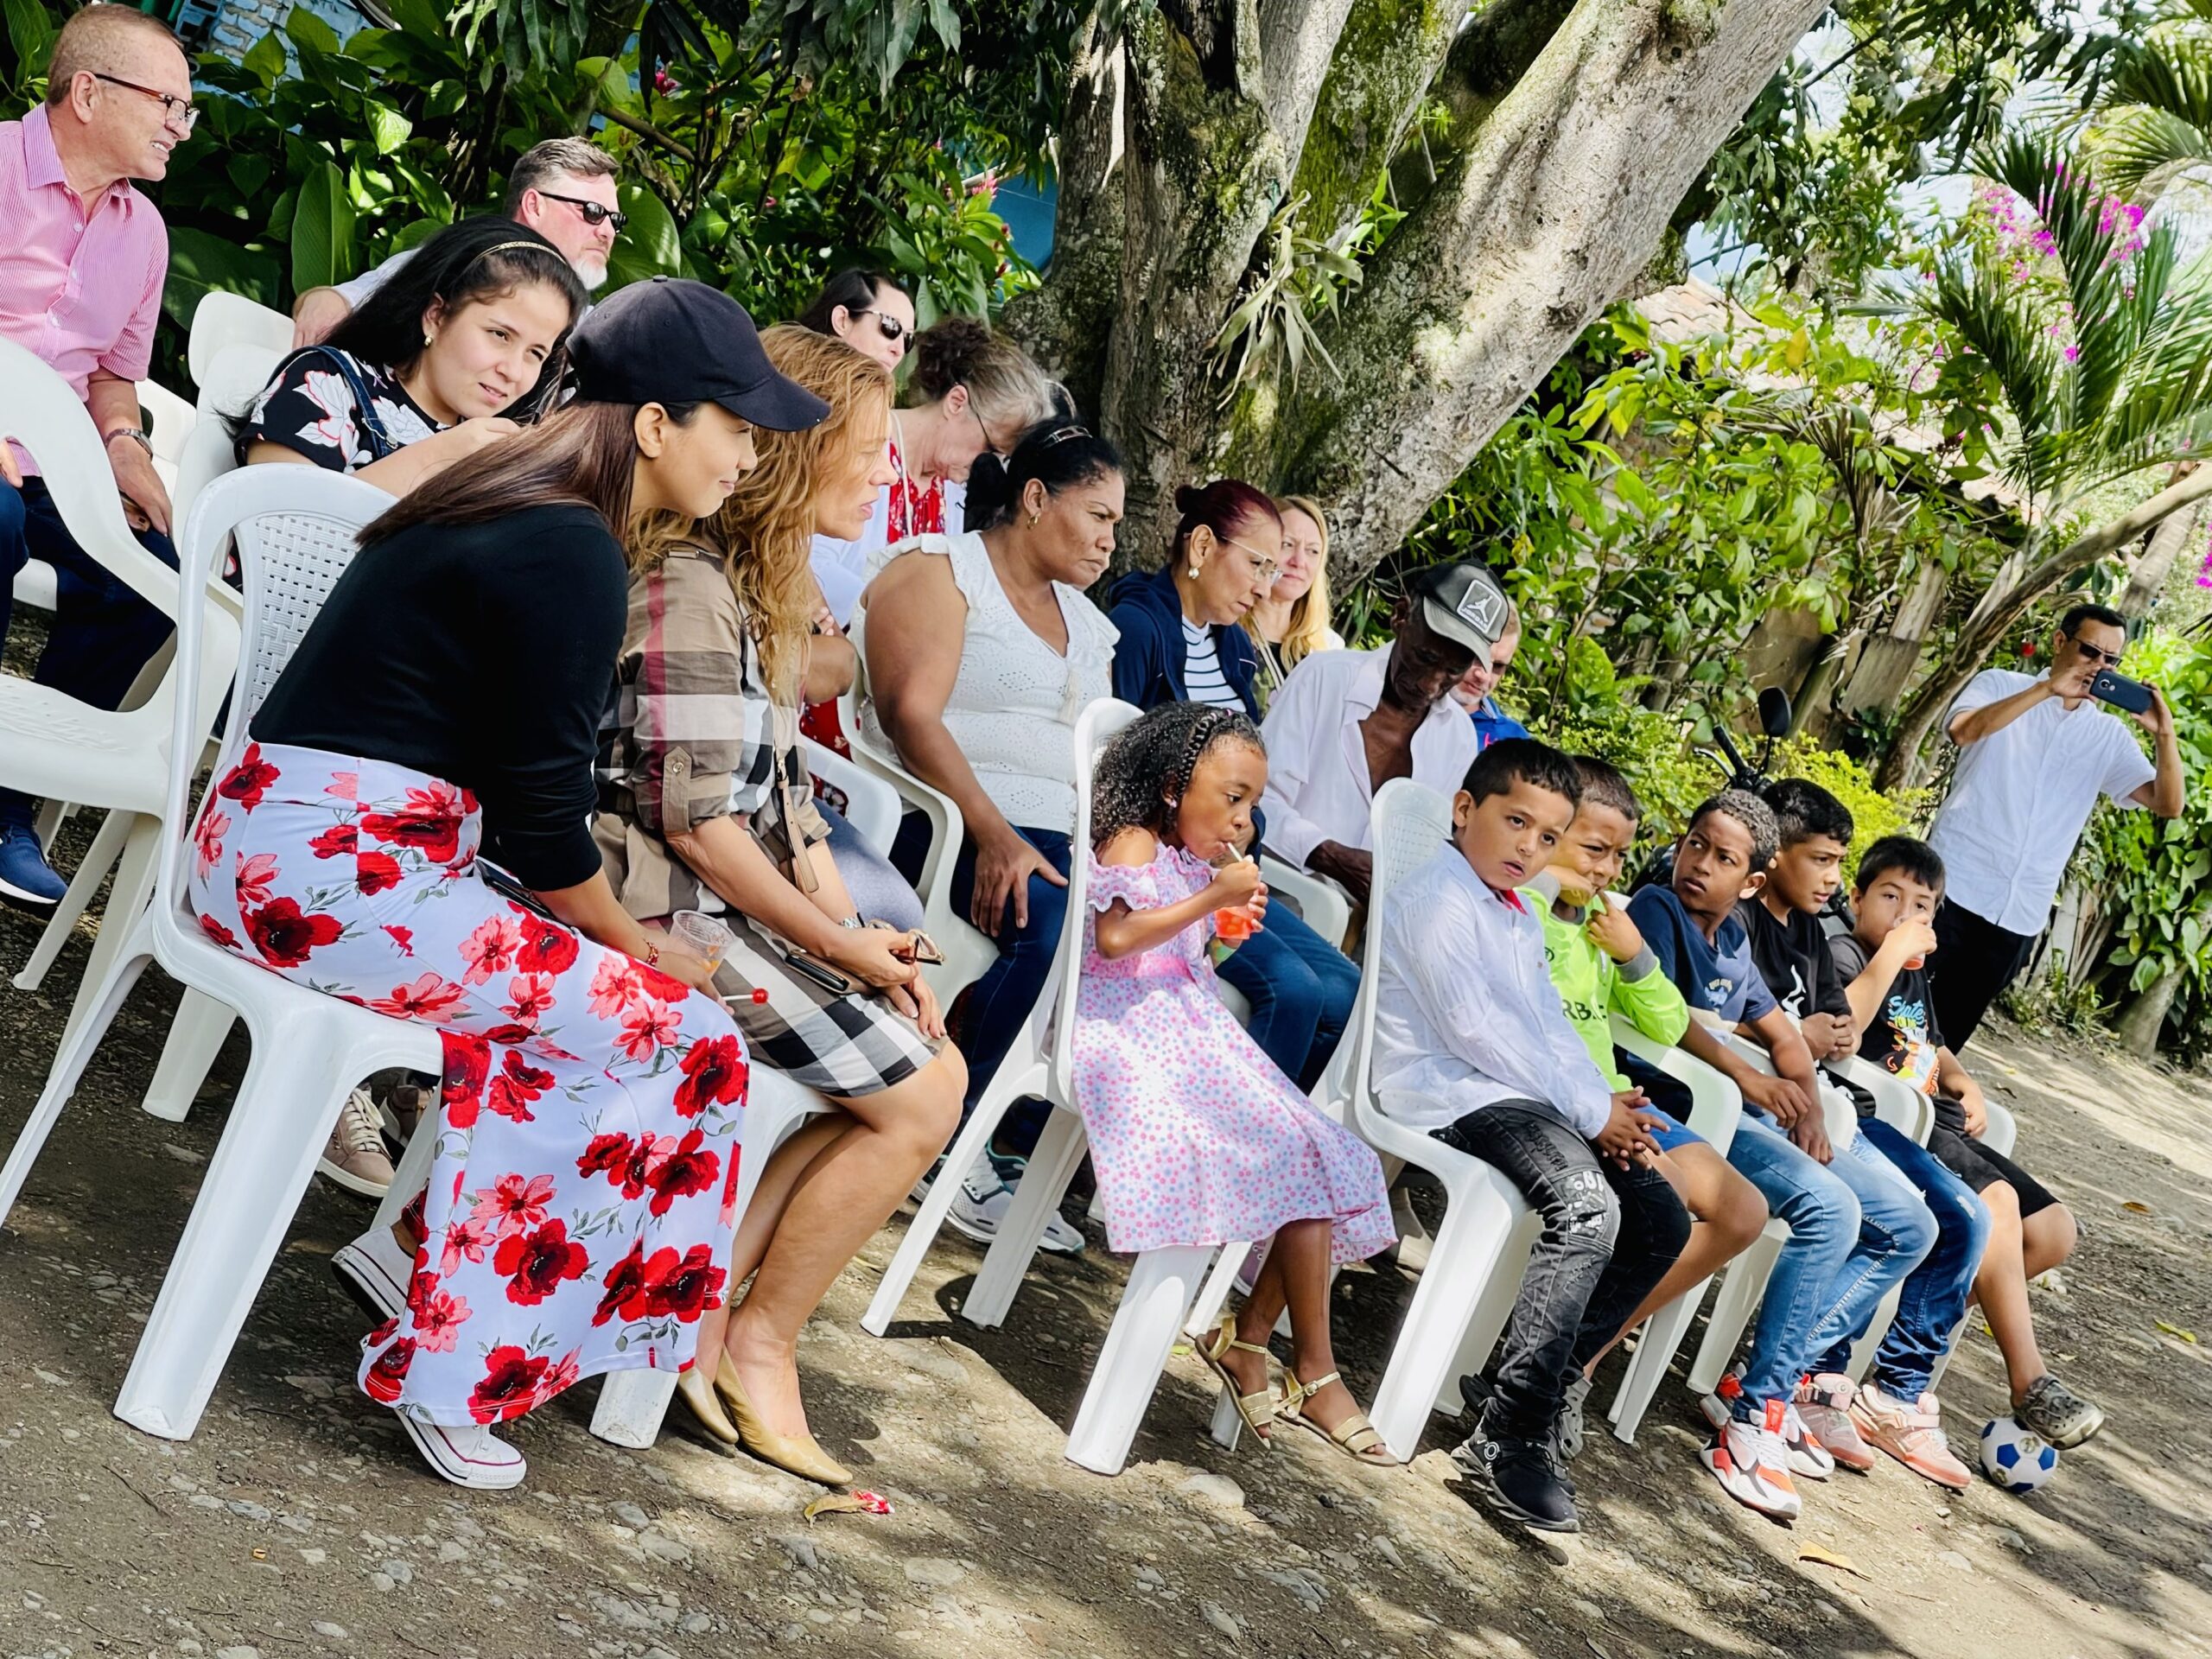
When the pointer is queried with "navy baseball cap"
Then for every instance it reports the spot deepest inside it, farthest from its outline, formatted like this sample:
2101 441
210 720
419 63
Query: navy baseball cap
671 341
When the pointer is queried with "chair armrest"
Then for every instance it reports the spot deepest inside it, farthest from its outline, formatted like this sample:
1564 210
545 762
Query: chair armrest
1325 906
871 804
2002 1132
1896 1103
1716 1104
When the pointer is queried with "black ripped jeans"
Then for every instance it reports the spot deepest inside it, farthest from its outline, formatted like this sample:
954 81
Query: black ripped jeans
1610 1234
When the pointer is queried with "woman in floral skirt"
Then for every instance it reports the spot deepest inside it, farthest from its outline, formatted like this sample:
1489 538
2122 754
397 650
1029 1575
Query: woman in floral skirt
442 713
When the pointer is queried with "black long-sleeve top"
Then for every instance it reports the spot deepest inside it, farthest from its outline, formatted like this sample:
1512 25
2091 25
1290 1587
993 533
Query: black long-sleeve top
482 654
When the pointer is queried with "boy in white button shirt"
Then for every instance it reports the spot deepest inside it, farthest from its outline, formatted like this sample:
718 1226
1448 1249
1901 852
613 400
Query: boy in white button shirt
1472 1045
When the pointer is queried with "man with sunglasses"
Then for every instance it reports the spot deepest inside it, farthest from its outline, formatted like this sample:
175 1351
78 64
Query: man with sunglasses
563 188
81 268
2034 754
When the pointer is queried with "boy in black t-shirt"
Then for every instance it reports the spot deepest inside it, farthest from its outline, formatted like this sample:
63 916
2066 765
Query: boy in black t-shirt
1882 963
1895 1410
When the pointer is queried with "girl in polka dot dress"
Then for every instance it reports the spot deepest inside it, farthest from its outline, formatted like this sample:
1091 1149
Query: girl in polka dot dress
1197 1137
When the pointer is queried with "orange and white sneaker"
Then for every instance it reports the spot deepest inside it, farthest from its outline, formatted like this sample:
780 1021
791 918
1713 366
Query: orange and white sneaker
1912 1434
1753 1465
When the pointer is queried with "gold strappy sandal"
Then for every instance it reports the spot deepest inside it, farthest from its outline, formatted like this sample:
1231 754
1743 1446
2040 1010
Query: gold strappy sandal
1356 1437
1259 1409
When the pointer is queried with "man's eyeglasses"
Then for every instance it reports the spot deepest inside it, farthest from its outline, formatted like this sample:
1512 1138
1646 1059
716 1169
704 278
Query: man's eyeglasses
893 328
2100 658
178 112
595 213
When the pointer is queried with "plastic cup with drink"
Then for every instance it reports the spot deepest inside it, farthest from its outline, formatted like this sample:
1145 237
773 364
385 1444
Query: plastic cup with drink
702 935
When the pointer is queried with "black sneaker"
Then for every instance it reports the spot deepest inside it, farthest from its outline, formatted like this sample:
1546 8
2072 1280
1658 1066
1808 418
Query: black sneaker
1518 1480
2055 1412
1566 1428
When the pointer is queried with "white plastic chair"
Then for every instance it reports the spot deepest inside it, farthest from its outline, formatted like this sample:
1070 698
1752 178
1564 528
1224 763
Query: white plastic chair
223 319
1161 1283
1036 1065
968 952
871 804
1466 1283
1716 1109
53 747
206 453
1324 907
171 421
294 529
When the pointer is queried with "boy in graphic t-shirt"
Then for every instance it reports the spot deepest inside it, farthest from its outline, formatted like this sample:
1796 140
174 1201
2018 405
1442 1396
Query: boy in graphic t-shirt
1845 1246
1895 1411
1882 961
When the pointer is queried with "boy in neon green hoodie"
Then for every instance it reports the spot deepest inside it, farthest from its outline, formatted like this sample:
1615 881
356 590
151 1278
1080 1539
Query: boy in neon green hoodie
1601 966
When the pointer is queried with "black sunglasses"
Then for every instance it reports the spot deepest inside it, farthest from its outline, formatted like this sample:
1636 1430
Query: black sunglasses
2095 654
893 328
179 110
595 214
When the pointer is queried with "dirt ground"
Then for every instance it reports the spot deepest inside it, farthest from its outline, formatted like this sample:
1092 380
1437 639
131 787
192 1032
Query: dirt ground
298 1522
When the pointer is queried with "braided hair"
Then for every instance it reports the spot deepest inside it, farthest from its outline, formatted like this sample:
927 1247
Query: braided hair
1153 759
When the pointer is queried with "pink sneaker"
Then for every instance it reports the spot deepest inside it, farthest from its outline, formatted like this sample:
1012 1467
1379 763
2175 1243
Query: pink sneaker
1912 1434
1824 1405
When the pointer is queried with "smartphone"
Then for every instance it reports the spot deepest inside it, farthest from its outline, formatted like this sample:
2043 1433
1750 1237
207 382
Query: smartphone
820 973
2121 691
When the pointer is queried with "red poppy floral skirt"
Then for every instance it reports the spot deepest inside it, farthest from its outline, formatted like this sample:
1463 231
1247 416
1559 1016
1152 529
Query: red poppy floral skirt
583 1191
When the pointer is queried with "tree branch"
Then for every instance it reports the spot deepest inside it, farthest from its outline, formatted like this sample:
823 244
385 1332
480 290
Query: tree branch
651 133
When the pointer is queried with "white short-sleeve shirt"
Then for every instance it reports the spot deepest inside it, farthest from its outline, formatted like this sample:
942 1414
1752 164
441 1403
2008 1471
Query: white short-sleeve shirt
2021 796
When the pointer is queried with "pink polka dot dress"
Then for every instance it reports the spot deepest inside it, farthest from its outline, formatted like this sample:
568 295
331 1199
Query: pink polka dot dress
1197 1137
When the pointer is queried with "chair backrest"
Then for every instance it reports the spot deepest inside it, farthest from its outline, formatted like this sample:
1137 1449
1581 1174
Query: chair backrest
224 319
1410 821
1094 728
39 411
235 378
294 528
170 420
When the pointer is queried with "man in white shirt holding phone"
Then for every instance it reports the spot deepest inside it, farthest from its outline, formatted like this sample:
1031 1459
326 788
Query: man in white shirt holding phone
2035 751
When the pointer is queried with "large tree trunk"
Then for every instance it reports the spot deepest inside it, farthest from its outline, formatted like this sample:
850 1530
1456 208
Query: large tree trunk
2149 576
1557 196
1901 765
1561 197
2139 1023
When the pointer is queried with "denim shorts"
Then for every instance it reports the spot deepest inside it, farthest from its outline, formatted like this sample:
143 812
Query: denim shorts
1675 1134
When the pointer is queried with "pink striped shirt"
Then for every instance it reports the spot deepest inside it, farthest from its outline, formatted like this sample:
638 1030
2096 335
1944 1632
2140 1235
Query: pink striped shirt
79 286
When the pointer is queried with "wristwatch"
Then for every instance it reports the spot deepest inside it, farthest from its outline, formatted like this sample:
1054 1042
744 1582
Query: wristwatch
133 434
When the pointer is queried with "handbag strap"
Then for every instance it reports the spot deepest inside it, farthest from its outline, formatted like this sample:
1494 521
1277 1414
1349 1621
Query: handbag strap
367 420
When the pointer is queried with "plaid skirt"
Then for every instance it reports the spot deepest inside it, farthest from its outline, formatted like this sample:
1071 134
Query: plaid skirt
855 1046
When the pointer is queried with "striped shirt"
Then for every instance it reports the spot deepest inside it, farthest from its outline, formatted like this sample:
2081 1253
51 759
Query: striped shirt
1203 681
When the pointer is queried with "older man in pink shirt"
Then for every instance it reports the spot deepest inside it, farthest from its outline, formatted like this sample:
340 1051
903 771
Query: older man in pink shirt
81 268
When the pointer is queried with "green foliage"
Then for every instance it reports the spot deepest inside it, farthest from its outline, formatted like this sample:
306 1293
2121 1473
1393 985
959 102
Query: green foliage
1294 287
2057 1003
765 145
2158 872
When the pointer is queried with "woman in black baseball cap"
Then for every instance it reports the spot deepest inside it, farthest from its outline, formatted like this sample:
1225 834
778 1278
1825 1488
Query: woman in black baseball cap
443 713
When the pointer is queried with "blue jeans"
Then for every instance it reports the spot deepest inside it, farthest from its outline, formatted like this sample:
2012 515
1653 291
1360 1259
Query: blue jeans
1001 999
1936 1292
1856 1228
102 632
1301 988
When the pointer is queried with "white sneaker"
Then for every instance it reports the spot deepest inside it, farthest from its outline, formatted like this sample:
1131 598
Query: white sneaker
376 1271
1752 1466
467 1457
355 1158
982 1202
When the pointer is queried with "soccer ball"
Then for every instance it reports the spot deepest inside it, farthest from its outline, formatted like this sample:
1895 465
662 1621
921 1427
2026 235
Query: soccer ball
2016 1458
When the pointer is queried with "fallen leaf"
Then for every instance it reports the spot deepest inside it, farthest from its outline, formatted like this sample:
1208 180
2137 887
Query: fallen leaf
2137 1207
2175 1330
1829 1558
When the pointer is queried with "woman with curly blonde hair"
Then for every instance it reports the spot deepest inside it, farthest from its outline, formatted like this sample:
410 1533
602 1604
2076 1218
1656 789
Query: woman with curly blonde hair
705 805
1292 622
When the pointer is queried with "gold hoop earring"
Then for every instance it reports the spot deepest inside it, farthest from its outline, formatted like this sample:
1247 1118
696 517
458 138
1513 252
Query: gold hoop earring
1033 517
